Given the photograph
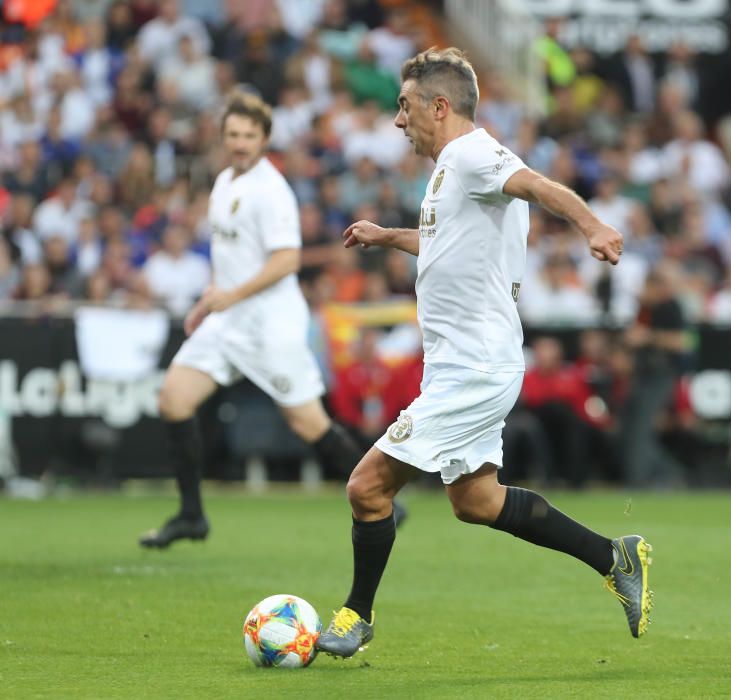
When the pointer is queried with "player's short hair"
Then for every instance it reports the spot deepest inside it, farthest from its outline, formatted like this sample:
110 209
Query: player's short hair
245 104
445 73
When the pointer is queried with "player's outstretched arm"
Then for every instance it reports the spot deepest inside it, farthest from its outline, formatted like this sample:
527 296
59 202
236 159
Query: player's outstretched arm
366 234
604 241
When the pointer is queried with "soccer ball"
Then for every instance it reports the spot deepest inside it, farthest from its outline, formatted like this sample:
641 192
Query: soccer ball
282 631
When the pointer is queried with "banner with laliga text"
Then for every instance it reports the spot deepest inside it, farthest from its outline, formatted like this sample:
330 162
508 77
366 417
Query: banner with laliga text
605 25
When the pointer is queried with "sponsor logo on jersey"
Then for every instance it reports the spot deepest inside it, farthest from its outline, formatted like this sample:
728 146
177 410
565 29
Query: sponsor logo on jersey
231 235
515 291
428 216
438 182
427 222
401 429
505 156
235 205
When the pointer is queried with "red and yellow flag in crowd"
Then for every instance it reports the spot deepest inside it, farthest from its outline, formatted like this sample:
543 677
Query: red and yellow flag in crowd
344 321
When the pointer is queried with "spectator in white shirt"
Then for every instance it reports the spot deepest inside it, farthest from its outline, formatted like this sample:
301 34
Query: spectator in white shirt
624 284
78 111
644 162
690 154
610 206
19 122
300 17
291 118
499 111
555 298
158 39
193 74
315 68
96 63
88 249
175 275
391 43
374 137
60 215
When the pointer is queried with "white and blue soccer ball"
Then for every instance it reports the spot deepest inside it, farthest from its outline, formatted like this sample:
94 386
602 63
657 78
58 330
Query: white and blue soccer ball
281 631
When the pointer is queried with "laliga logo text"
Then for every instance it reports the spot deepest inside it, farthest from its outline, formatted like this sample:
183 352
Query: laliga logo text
44 391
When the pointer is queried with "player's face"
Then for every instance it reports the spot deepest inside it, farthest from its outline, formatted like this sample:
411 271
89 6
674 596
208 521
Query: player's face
415 118
244 141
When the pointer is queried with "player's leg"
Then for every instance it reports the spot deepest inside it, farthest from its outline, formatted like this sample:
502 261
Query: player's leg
330 441
371 489
480 498
184 390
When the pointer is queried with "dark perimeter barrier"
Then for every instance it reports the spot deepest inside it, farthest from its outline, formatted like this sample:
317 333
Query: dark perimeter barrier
63 415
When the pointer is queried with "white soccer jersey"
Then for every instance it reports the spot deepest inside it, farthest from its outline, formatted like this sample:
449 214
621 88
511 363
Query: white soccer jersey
472 250
264 337
253 215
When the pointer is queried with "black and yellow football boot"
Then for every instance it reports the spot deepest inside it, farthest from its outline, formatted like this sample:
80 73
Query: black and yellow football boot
347 633
627 580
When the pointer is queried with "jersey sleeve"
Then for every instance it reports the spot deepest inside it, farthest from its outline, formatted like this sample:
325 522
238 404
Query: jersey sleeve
483 171
279 219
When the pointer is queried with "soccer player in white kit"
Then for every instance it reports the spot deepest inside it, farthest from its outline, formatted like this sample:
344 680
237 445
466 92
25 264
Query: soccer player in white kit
471 248
252 322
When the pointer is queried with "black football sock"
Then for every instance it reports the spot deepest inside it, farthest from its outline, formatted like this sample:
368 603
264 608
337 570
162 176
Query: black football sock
532 518
186 451
336 449
372 542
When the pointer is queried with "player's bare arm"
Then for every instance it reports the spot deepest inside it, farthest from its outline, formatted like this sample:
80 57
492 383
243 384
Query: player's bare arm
366 233
604 241
281 263
194 317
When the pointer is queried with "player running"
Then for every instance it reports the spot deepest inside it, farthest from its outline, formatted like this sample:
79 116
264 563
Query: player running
471 248
251 322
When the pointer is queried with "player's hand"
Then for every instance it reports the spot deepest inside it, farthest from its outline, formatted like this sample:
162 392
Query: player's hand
364 233
215 299
194 318
606 244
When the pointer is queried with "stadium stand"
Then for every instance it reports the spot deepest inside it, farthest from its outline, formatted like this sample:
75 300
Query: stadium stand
109 146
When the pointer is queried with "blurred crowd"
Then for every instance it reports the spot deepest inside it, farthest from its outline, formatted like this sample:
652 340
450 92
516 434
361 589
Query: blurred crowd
109 138
109 144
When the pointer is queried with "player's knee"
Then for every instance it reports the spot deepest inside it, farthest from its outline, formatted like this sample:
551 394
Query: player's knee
356 490
366 498
172 406
467 514
483 512
308 423
301 426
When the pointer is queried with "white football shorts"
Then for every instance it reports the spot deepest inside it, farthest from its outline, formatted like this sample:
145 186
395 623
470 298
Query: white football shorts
455 425
279 364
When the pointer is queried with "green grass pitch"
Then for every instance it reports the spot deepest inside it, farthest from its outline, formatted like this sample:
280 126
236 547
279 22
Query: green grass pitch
463 612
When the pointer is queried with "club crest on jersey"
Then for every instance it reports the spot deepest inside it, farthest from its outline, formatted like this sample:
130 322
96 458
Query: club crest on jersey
235 205
401 429
437 181
282 384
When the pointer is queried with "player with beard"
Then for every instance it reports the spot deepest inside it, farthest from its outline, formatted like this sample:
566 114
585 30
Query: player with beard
251 322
